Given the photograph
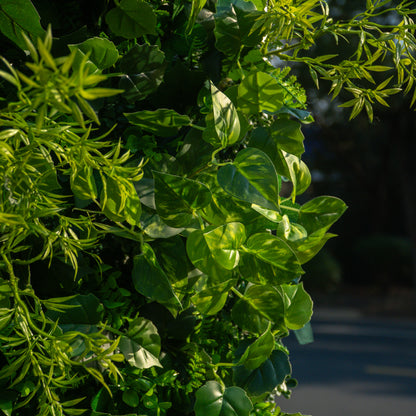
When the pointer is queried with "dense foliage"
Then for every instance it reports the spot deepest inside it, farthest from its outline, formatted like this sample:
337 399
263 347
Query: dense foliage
152 240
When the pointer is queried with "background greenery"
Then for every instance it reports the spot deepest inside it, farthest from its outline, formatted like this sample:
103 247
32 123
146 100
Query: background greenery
153 227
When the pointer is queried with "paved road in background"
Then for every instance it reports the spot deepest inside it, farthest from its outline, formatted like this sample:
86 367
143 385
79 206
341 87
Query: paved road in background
356 367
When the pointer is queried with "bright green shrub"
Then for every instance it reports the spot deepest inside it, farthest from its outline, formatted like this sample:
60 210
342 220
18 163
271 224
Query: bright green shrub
152 264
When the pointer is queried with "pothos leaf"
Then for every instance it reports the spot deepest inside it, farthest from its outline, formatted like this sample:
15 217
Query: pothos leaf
212 399
226 121
132 19
252 178
266 377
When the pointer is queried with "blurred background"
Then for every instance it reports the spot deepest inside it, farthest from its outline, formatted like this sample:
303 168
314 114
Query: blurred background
363 360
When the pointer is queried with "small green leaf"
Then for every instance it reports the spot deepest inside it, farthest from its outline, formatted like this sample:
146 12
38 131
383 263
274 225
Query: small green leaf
212 399
83 183
275 251
162 122
141 345
132 19
145 333
131 398
265 378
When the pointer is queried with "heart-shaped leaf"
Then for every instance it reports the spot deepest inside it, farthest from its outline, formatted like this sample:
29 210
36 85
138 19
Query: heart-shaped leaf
321 212
258 352
259 92
298 306
224 242
259 305
201 257
252 178
150 280
144 67
265 378
132 19
275 251
177 198
102 53
213 399
287 135
211 300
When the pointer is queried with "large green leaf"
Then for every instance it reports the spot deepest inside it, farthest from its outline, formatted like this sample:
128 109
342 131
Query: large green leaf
237 24
226 121
259 92
252 178
265 378
258 352
201 256
259 305
136 355
171 254
101 52
132 19
309 247
145 333
150 280
210 300
288 136
162 122
223 208
144 67
275 251
177 198
258 271
298 306
213 399
17 17
224 242
321 212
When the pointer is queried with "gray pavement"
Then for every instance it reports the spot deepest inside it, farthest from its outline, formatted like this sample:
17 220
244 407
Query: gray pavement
357 366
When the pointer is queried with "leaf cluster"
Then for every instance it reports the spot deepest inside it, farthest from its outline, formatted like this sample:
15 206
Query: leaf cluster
152 238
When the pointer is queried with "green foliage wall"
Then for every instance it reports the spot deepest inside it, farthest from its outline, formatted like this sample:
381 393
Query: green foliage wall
152 241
